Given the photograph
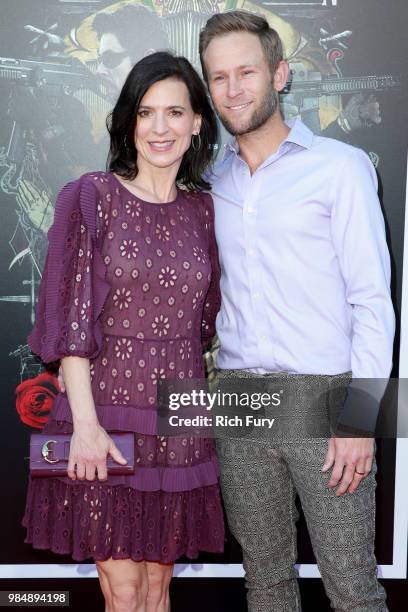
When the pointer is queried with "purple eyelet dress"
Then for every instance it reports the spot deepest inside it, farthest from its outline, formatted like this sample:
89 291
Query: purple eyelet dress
134 287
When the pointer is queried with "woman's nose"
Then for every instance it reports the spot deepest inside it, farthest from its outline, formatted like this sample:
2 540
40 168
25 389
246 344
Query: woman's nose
160 125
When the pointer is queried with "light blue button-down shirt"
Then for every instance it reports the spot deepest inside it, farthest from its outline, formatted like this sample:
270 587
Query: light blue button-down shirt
305 266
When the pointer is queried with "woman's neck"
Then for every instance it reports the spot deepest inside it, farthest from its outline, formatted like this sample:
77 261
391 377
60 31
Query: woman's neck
155 184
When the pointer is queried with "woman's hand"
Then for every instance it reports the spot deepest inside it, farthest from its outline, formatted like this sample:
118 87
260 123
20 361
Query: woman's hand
90 445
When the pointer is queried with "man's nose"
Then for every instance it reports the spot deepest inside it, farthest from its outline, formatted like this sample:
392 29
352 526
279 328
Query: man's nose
234 87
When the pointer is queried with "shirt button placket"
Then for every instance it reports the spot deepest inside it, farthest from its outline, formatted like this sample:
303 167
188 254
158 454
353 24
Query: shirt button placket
252 242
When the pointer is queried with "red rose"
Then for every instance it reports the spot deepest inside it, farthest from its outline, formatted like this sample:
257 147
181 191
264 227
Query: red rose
35 397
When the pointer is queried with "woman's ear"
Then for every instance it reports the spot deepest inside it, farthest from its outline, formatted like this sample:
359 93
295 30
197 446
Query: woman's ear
197 124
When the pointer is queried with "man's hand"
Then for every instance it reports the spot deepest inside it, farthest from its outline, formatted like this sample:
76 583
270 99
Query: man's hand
352 459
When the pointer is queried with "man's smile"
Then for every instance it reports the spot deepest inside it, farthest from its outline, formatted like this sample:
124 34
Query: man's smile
238 107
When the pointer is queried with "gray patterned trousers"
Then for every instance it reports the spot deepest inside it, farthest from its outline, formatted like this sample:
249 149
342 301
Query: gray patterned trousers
259 480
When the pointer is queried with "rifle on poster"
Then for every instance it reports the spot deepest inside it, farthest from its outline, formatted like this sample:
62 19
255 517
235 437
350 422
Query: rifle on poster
305 84
59 78
305 87
41 93
37 90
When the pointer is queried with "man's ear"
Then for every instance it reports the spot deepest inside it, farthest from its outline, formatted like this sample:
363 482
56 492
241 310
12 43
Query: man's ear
281 75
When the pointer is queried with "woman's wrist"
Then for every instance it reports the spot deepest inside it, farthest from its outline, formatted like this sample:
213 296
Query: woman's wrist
85 422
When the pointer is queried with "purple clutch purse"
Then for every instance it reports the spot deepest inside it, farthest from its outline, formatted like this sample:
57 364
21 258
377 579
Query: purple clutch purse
49 454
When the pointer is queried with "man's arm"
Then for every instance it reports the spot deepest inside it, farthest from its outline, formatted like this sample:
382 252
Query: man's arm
358 235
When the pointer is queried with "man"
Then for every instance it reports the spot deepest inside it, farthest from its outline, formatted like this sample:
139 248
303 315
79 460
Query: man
61 124
125 36
305 296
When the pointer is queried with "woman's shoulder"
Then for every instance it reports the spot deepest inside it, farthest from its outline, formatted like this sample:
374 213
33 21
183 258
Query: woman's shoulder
78 199
98 178
85 190
200 198
203 204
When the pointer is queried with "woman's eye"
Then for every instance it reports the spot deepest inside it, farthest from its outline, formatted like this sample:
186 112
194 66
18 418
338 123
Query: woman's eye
176 113
143 113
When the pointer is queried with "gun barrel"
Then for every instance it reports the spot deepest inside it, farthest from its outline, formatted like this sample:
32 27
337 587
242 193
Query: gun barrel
332 86
45 73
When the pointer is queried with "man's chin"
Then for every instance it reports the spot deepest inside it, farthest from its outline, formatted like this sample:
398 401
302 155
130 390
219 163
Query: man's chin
235 129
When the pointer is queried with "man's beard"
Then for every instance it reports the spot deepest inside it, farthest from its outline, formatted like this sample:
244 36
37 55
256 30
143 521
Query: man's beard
259 117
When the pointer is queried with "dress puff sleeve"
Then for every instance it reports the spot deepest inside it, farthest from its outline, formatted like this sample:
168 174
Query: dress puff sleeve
213 298
73 288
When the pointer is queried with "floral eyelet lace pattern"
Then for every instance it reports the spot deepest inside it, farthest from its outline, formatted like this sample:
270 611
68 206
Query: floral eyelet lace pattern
135 289
122 522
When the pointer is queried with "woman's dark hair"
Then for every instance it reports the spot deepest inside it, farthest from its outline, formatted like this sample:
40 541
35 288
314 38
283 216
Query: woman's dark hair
121 121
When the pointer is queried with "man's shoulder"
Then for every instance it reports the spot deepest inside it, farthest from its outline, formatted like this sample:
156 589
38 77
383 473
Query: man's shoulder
219 169
337 152
344 162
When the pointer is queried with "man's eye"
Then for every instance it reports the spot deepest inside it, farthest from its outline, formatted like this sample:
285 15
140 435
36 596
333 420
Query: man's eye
218 78
248 72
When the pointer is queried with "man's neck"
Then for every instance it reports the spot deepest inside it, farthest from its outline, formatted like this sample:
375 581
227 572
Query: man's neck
257 146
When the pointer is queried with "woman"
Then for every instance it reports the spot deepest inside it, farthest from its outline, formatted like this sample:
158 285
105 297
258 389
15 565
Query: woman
129 292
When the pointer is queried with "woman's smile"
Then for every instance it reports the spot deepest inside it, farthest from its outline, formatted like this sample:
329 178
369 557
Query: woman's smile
161 146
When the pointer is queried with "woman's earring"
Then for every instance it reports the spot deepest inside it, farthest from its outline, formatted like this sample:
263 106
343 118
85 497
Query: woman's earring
196 144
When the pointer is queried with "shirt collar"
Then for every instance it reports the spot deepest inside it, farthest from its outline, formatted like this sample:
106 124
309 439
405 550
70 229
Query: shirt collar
299 135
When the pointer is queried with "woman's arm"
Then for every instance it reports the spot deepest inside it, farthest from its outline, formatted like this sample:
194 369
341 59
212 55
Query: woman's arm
90 444
212 300
72 293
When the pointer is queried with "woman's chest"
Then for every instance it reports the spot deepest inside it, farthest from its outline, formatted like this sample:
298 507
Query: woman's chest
154 247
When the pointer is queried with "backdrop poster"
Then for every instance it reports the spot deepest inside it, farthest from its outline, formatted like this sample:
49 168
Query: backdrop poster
57 84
